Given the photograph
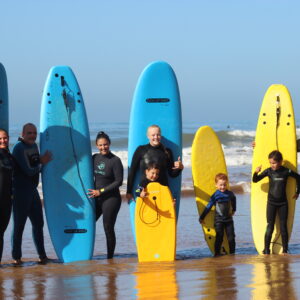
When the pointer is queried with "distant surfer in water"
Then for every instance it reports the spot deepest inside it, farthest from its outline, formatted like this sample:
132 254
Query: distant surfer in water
225 203
6 173
154 152
277 199
108 176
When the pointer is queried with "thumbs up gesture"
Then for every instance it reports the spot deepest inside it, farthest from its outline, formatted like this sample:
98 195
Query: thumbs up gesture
178 164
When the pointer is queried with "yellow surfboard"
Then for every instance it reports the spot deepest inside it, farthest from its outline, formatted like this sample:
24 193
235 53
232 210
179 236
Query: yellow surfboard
275 131
155 225
207 161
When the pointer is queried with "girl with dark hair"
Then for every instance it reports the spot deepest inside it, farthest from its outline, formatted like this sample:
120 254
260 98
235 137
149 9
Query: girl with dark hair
277 199
6 172
108 176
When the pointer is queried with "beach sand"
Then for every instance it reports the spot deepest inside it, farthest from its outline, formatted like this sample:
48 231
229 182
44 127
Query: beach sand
194 274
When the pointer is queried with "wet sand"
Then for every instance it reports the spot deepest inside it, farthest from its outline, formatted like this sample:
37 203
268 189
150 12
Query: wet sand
194 274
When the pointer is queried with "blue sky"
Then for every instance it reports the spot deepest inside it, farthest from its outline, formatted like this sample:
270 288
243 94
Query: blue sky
225 53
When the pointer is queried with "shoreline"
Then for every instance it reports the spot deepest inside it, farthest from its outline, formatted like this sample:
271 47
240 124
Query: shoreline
241 188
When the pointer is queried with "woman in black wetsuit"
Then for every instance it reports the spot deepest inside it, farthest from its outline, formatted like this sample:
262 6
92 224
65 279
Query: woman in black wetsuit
6 171
154 152
277 200
108 175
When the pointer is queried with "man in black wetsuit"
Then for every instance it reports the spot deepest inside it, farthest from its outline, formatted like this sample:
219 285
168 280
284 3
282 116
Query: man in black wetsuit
26 200
277 199
154 152
6 173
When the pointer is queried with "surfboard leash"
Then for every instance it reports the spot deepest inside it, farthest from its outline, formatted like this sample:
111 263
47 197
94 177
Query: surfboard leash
278 110
64 95
143 207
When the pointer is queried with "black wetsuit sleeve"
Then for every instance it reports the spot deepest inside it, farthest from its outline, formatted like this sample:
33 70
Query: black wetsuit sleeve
233 202
257 177
170 164
298 145
210 204
118 171
135 164
297 177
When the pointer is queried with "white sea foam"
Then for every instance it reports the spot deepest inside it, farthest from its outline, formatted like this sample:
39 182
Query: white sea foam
242 133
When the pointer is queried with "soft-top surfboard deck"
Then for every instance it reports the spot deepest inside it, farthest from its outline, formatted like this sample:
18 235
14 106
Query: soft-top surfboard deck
3 99
207 161
275 131
155 224
156 101
67 178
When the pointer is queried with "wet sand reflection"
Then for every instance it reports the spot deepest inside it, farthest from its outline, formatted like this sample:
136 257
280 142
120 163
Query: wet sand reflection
272 278
154 280
226 277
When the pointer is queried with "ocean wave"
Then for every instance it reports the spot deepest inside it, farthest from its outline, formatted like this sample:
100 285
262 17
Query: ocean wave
242 133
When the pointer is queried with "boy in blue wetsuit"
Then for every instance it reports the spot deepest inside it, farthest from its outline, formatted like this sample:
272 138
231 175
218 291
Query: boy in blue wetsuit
225 202
26 199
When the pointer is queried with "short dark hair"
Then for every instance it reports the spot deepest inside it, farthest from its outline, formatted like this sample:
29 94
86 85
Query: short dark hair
152 165
276 155
26 125
102 135
221 176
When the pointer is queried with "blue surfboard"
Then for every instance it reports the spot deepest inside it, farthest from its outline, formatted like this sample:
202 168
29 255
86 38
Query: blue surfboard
66 179
156 100
3 99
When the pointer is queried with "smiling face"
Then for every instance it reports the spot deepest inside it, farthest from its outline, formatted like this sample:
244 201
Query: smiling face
103 146
152 174
4 140
154 136
274 164
29 134
221 185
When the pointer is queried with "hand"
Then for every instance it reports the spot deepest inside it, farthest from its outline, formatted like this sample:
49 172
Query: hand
143 193
174 202
129 197
178 164
93 193
253 144
296 196
258 169
201 221
46 157
232 214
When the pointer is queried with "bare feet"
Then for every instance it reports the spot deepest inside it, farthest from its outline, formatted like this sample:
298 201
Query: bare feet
17 262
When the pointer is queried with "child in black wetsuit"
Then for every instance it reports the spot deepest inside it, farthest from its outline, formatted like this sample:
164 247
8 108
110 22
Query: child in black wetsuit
151 175
277 199
225 202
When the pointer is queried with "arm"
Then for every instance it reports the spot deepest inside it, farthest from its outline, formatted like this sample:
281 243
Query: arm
211 203
23 162
135 162
118 175
257 177
233 203
297 177
173 172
